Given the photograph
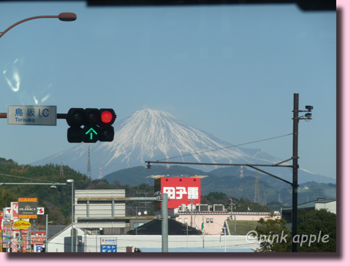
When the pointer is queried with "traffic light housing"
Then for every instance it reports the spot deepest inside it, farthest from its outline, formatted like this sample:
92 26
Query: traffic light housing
90 125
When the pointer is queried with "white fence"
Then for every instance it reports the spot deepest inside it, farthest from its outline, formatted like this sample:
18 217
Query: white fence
91 243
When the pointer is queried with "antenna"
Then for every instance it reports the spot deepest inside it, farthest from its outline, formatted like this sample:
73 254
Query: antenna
264 203
257 197
167 165
61 170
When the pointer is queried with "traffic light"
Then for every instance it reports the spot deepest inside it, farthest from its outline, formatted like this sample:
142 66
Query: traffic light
90 125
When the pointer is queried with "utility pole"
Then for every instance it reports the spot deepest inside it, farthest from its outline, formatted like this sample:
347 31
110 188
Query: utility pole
191 210
295 166
295 170
164 197
47 231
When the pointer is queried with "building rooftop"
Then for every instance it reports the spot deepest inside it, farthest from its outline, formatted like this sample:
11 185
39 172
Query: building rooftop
154 227
308 205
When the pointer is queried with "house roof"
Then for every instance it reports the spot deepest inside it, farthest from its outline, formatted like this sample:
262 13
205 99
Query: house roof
54 229
154 227
58 230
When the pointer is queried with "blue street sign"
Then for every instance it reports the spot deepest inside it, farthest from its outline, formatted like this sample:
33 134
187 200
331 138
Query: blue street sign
109 248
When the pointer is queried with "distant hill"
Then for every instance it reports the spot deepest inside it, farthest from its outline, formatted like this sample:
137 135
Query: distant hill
156 135
228 181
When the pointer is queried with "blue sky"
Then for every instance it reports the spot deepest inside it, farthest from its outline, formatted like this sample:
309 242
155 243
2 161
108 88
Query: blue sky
228 70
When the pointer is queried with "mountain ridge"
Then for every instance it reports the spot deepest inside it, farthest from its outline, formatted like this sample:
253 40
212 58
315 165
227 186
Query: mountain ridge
156 135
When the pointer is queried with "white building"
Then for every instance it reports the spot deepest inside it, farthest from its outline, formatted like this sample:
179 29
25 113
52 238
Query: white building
99 208
61 241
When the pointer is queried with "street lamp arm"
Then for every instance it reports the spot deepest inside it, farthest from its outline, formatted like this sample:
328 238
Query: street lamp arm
35 184
66 16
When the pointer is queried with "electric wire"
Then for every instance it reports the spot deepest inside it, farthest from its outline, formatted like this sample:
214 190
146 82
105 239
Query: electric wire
232 146
27 178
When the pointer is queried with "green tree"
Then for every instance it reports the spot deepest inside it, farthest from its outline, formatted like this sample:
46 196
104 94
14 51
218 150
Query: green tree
273 235
316 233
321 224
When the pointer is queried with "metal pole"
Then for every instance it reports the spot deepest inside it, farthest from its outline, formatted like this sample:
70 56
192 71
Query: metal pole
76 241
20 241
295 171
164 222
85 241
29 238
191 212
46 223
72 237
234 225
225 239
66 16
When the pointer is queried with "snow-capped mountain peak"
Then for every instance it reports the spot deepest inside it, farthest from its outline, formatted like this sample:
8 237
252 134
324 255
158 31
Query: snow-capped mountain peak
155 135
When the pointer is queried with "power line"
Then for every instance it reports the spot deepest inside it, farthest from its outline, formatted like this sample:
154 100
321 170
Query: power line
232 146
25 178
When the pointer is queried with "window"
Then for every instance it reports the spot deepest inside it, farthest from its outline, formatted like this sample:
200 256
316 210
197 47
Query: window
211 220
207 220
180 220
186 220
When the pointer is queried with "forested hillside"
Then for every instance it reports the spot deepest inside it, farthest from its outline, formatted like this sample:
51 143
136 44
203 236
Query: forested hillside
57 202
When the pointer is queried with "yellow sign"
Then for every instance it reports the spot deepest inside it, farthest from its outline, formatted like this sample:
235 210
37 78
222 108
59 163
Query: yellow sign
27 200
21 224
27 216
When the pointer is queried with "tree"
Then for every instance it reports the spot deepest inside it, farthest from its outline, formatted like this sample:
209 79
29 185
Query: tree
273 235
316 233
320 228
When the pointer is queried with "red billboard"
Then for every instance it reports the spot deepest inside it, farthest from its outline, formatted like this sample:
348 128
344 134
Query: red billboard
180 190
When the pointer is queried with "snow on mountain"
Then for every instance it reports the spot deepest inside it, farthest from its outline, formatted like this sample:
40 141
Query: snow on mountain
154 135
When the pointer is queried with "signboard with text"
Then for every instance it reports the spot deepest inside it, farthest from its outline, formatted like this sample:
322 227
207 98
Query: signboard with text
180 190
35 115
27 208
38 240
14 210
109 244
7 213
38 248
40 211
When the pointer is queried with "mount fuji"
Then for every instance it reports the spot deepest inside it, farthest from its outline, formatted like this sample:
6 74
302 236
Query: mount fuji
156 135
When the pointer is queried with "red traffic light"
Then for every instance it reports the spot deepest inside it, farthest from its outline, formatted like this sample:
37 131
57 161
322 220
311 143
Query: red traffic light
97 125
106 117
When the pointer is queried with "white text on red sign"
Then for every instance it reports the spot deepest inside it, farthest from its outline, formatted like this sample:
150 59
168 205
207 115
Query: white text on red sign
177 192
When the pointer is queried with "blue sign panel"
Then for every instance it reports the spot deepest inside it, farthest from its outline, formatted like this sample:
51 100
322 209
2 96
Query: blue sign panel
109 248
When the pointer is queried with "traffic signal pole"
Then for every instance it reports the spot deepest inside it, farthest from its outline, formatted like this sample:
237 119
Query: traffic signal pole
59 116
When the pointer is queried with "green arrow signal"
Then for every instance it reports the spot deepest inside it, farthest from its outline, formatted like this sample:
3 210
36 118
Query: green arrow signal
91 131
